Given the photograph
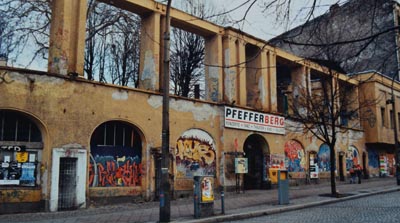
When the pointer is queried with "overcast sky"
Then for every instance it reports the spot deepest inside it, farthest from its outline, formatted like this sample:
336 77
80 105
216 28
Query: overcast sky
263 24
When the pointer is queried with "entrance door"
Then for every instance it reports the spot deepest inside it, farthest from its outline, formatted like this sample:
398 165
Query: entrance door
67 184
255 148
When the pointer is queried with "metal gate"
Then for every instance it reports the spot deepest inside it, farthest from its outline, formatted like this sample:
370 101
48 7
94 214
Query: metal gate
67 184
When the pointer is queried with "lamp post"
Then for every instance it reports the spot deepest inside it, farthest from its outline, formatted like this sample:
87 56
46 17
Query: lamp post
396 142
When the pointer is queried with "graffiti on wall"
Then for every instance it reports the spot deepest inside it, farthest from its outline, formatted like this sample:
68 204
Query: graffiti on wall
324 158
352 157
294 153
373 158
115 166
195 154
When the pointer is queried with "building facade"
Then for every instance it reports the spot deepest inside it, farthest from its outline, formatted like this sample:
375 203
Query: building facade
66 141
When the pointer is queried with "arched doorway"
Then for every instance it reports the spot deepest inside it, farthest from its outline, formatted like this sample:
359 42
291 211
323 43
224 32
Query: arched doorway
256 150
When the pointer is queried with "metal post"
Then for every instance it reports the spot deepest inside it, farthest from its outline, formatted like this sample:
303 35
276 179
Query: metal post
165 206
222 200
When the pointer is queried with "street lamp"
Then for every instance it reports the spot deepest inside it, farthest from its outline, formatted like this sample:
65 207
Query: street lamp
396 142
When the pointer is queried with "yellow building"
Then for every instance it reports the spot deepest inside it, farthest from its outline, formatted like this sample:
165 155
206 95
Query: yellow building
66 140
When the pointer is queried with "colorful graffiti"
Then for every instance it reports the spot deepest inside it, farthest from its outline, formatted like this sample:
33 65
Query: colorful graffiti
352 157
115 166
195 154
294 153
324 158
373 158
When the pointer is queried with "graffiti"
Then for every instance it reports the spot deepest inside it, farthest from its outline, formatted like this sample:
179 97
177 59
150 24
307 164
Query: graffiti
373 158
195 154
294 153
112 166
351 157
108 172
3 78
324 158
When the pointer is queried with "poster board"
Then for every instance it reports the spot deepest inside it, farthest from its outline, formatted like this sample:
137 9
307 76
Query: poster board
241 165
207 189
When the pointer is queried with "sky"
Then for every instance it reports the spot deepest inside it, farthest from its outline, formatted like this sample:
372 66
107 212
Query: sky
263 24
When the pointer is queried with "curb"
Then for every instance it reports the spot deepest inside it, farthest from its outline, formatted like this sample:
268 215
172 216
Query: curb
252 214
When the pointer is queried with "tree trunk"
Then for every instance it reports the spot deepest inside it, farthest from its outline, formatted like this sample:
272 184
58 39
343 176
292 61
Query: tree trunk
333 167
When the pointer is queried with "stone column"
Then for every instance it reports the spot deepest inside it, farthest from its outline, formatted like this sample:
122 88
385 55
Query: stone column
213 68
150 40
67 37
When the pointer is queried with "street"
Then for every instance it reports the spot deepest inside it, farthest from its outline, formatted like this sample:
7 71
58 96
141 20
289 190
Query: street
377 208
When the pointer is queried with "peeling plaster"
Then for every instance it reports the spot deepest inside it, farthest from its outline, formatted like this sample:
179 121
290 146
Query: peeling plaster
18 77
203 112
262 88
120 95
148 76
230 78
155 101
212 85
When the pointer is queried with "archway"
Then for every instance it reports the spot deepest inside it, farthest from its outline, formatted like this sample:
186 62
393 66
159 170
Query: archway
352 157
115 155
21 147
256 150
21 151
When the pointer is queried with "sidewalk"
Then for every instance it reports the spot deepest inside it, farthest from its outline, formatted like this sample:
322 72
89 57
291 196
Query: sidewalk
237 206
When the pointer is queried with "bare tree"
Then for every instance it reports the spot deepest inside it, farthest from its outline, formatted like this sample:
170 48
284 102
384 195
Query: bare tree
28 23
112 45
187 51
329 105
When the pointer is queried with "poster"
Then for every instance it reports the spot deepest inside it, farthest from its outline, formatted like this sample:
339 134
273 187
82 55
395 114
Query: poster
241 165
22 157
313 166
207 193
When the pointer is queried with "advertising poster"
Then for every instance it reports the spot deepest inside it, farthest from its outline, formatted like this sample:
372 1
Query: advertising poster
241 165
313 166
207 193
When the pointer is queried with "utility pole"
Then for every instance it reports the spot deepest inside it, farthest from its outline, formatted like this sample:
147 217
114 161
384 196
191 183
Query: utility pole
396 142
165 204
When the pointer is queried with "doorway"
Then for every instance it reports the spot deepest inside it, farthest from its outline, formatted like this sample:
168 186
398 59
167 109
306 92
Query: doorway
67 184
256 151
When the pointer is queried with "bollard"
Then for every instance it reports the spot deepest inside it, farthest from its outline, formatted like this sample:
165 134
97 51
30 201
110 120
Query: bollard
222 201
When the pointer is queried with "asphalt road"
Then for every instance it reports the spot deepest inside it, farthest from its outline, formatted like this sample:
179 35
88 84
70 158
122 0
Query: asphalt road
378 208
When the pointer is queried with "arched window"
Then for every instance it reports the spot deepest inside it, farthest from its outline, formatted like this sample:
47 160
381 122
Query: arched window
20 149
115 155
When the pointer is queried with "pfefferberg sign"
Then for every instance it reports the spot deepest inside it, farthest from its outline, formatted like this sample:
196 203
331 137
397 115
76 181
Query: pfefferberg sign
250 120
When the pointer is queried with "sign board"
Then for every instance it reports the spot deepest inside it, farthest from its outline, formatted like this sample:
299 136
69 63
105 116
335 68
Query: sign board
207 192
241 165
254 121
13 148
22 157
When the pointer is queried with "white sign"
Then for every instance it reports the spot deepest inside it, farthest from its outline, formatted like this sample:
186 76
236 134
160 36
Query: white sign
256 121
